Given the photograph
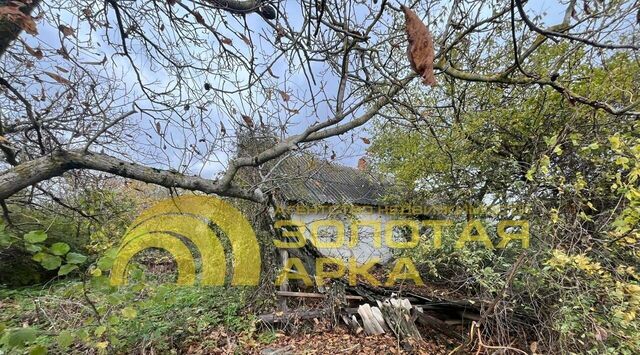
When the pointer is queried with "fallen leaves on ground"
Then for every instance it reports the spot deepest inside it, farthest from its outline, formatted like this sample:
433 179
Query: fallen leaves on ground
322 339
340 340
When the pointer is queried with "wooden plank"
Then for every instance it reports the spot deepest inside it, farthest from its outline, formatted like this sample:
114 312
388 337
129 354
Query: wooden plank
397 314
313 295
371 325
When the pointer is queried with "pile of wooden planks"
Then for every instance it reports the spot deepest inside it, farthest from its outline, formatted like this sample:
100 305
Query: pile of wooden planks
395 315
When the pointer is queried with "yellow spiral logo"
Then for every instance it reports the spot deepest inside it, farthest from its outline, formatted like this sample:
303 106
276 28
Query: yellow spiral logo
167 224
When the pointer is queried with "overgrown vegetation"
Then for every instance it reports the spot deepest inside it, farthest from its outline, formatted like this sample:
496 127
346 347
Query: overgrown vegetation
140 318
56 296
572 173
535 116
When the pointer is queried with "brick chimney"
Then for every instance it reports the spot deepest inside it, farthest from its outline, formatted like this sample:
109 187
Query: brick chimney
362 164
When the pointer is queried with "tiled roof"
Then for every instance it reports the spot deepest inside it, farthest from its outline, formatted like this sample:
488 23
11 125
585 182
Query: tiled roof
308 179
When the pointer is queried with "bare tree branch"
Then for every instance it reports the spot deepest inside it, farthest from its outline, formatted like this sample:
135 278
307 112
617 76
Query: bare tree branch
49 166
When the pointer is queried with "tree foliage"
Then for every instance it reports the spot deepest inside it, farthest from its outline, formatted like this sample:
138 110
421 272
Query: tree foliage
533 152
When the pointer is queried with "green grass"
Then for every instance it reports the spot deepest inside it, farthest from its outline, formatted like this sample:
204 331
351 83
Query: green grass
130 319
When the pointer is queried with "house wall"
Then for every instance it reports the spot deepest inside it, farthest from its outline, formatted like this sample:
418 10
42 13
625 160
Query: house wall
364 250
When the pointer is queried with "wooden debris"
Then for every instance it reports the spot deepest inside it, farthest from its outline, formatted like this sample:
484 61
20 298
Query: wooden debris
393 315
352 323
313 295
439 326
398 316
371 323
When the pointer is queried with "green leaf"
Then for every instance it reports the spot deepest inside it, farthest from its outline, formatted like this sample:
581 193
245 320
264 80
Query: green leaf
615 142
19 337
129 312
33 248
551 141
530 172
39 257
557 150
65 339
37 236
60 248
76 258
106 262
67 268
51 262
38 350
100 330
5 237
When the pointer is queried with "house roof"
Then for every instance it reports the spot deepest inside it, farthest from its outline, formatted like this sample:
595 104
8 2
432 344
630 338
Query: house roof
308 179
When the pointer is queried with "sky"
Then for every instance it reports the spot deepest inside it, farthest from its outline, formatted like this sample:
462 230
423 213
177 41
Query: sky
348 150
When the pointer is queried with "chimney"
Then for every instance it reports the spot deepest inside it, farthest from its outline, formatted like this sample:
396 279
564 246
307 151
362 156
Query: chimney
362 164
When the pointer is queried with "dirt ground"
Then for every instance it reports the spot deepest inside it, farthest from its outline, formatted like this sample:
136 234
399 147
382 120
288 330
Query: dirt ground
342 341
318 338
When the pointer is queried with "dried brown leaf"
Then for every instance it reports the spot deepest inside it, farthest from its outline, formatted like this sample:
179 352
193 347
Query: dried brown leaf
222 129
66 30
58 78
226 40
246 39
365 140
284 95
34 52
247 120
63 52
421 48
272 74
13 13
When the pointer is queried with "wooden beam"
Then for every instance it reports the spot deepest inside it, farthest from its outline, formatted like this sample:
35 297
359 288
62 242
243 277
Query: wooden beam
313 295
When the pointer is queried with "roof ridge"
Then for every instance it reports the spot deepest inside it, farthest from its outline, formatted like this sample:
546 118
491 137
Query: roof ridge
323 181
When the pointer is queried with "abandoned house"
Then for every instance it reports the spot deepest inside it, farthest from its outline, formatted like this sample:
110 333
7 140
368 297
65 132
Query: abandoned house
331 200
